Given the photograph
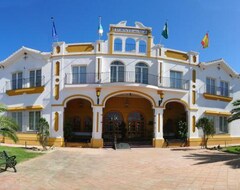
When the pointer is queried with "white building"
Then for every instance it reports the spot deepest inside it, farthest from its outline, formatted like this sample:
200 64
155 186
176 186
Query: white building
126 89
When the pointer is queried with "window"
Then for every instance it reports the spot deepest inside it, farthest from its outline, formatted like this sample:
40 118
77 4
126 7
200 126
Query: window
130 45
224 88
211 86
220 124
17 117
141 73
117 72
34 117
79 75
117 44
17 80
142 46
176 79
35 78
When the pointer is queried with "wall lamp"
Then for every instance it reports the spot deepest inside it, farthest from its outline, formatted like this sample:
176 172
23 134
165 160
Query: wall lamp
161 94
98 92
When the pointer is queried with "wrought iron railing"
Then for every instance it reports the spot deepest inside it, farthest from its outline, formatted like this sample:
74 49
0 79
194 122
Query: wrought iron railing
25 83
125 77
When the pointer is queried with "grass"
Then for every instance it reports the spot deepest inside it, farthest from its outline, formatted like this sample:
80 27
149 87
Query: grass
232 149
21 153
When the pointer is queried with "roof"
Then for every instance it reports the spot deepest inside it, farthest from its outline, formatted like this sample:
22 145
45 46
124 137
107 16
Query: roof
21 52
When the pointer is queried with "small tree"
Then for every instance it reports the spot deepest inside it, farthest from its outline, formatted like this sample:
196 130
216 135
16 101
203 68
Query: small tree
183 131
43 132
8 127
207 127
235 111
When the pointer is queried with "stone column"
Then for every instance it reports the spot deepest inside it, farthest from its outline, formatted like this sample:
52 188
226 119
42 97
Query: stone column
97 141
158 128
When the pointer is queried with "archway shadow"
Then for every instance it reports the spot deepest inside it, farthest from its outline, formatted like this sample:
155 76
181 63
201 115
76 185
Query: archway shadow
232 160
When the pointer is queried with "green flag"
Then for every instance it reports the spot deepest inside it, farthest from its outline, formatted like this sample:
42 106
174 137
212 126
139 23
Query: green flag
165 31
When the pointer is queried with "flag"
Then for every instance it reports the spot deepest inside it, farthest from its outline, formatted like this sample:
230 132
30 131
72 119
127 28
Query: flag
205 41
54 31
165 31
100 28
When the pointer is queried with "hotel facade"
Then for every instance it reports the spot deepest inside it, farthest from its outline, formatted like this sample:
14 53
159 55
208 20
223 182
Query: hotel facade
124 89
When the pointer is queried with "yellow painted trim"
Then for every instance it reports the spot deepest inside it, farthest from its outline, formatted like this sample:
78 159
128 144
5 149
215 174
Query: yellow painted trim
158 143
98 69
125 55
193 97
213 112
96 143
217 97
56 92
34 90
176 55
24 108
75 96
57 68
149 43
97 121
175 100
56 121
159 123
58 49
129 91
80 48
160 72
194 75
110 43
193 124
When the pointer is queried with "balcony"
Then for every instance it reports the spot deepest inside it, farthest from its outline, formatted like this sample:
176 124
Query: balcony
217 93
125 77
25 86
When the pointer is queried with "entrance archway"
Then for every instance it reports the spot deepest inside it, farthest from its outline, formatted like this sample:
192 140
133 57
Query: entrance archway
78 116
128 118
173 113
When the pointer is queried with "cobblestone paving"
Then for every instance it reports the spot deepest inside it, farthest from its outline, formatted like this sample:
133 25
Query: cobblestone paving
138 168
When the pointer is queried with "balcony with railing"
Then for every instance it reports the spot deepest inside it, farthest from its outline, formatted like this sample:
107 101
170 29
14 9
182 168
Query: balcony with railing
25 86
129 77
217 93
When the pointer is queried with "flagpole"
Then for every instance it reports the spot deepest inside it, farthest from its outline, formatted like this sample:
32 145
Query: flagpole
54 31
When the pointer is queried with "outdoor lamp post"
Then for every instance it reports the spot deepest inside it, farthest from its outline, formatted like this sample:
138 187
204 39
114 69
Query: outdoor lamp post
98 92
161 94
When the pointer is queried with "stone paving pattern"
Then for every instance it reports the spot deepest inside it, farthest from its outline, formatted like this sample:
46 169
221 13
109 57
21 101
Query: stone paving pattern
138 168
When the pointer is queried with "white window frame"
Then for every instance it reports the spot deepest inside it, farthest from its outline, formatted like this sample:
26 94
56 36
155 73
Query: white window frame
36 80
34 120
79 77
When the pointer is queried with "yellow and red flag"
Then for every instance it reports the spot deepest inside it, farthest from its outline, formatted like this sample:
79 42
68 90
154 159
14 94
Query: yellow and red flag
205 41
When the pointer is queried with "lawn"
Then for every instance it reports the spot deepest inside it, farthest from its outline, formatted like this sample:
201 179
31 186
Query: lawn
21 153
232 149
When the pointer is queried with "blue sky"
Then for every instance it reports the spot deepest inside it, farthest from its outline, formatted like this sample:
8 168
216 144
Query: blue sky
27 23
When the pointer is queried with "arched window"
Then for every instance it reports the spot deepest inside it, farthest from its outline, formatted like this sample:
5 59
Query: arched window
130 45
142 46
117 72
135 125
141 73
117 44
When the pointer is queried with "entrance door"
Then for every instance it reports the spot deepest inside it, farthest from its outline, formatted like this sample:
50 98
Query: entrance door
135 126
112 126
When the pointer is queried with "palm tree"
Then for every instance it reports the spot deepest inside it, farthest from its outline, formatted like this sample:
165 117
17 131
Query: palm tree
208 129
43 132
8 126
235 111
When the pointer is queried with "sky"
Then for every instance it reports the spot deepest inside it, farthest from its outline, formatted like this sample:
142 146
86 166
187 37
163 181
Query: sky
28 23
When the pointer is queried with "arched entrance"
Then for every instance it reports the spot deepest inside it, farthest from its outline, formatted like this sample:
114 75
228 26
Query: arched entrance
128 118
173 113
78 116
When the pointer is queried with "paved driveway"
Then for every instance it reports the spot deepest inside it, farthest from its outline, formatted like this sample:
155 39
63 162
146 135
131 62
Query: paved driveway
139 168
